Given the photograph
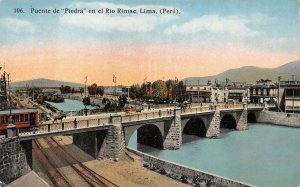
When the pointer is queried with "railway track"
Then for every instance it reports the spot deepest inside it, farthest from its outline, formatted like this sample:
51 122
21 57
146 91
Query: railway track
90 176
53 173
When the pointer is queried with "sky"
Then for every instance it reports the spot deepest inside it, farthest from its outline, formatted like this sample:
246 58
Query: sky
206 38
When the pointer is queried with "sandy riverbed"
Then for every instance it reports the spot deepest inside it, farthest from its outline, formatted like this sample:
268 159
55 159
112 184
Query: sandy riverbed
125 172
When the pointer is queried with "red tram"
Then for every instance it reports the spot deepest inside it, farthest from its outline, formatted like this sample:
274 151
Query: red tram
22 118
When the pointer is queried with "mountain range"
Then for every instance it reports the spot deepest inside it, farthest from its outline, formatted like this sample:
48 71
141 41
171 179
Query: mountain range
248 74
45 83
251 74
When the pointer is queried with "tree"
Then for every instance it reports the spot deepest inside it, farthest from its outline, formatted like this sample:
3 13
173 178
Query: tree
146 90
100 90
92 89
181 91
65 89
122 101
135 91
170 89
81 90
86 101
159 91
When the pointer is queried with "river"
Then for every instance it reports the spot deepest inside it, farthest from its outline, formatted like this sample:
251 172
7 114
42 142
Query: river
69 105
264 155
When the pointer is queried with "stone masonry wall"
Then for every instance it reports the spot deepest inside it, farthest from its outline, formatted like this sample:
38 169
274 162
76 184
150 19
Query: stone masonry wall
279 118
15 159
214 126
242 121
176 171
114 143
173 139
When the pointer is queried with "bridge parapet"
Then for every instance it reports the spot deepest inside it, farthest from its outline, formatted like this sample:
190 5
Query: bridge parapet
66 126
70 124
146 115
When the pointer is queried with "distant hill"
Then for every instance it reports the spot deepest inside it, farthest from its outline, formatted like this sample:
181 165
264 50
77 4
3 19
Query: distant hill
251 74
45 83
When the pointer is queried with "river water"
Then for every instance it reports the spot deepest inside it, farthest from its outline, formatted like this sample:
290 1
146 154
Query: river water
69 105
265 155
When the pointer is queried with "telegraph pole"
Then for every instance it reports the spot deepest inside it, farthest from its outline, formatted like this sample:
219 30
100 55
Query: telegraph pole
279 78
115 81
9 99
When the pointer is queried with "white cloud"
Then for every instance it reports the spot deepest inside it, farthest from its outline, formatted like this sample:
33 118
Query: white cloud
234 25
17 25
116 22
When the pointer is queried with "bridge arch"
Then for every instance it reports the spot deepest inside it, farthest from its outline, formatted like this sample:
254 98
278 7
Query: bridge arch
251 117
228 121
148 134
195 126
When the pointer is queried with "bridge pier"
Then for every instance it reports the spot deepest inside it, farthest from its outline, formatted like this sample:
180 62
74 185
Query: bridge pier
214 125
242 119
15 159
103 144
173 135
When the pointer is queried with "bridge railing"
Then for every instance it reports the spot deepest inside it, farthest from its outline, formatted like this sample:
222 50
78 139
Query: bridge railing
67 125
146 115
255 105
197 109
231 106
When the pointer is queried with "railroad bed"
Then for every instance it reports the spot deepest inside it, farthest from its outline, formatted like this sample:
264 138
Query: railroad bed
63 168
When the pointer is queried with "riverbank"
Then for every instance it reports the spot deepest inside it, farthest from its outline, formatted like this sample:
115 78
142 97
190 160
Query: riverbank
279 118
186 174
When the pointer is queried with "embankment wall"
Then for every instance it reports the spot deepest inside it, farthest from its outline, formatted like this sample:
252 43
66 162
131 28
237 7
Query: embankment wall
279 118
176 171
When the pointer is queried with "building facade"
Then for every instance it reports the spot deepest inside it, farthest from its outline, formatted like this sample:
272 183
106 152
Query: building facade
264 91
291 97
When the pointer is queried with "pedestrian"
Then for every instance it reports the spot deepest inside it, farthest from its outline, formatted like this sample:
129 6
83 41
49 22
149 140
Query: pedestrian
159 113
75 123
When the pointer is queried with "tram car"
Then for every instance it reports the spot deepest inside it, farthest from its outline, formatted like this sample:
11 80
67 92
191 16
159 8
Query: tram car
22 119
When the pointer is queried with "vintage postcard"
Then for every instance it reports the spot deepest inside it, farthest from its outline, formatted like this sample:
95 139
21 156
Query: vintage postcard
150 93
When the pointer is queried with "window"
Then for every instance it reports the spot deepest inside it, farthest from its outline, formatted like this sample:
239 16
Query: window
13 118
16 118
2 119
21 117
26 117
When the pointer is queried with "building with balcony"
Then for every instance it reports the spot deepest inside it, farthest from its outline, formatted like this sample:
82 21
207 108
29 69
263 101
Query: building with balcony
291 96
199 93
264 91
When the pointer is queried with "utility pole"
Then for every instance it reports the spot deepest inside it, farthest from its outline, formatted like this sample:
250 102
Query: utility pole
32 93
9 99
115 81
85 86
293 79
278 105
198 91
85 109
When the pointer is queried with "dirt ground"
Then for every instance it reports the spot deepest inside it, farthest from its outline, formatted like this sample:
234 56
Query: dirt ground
127 171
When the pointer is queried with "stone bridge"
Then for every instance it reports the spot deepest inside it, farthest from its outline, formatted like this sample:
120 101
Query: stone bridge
105 136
